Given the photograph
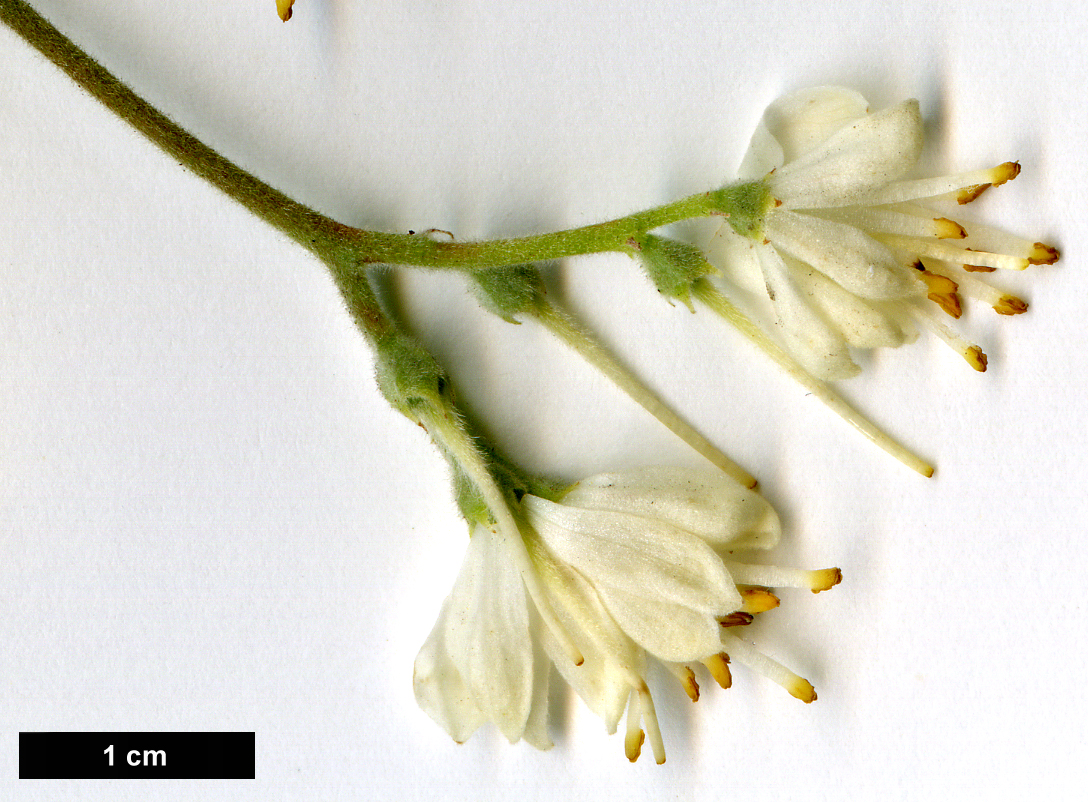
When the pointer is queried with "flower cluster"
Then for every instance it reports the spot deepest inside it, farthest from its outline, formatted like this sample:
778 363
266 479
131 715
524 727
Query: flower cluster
849 251
630 566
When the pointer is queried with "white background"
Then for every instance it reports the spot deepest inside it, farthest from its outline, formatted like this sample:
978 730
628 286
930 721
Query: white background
210 520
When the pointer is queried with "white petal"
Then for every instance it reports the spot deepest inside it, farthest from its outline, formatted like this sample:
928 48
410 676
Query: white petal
486 633
600 682
706 503
666 588
864 324
797 123
820 349
845 254
732 254
536 727
764 154
612 663
441 691
854 162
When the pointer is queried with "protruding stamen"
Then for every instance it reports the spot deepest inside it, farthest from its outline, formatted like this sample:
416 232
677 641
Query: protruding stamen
632 742
653 729
1000 174
979 269
738 618
744 652
777 577
718 666
1003 303
942 291
981 237
908 220
283 8
686 678
949 229
972 353
966 186
1010 305
757 600
825 579
944 249
1043 254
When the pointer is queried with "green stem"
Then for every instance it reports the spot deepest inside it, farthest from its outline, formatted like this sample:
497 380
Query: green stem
336 243
707 294
563 326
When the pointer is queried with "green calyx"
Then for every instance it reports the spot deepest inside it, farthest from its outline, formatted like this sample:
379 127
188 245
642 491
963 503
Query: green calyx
672 266
744 206
410 378
509 291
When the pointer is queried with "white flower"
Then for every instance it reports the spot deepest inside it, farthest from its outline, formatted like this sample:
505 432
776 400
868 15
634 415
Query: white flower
628 566
847 255
477 664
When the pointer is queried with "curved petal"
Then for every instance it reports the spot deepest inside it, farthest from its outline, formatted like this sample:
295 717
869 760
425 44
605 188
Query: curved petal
708 504
853 162
820 348
536 726
864 324
440 689
664 587
481 649
612 662
846 255
798 123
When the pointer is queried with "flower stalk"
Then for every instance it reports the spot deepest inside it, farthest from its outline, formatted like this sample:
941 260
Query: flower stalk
709 295
333 242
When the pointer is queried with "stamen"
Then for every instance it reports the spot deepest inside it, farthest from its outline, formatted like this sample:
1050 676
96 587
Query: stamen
1002 303
686 678
1010 305
632 742
981 237
1043 254
942 291
757 600
902 219
777 577
949 229
943 227
1002 173
972 353
718 666
736 619
942 249
653 729
798 687
968 186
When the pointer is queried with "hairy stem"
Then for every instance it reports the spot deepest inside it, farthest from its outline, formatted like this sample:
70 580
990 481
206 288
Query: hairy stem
333 242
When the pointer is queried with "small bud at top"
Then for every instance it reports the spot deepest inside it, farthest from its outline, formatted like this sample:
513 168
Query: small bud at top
509 291
672 266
